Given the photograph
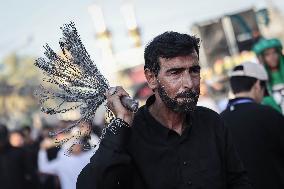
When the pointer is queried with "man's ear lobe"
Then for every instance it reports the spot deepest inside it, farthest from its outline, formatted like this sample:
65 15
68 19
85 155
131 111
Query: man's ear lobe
151 79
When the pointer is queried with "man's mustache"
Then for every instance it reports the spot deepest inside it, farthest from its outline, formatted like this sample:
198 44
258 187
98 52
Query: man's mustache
188 94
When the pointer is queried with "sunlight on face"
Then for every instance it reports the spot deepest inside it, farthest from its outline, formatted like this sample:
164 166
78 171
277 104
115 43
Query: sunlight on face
179 82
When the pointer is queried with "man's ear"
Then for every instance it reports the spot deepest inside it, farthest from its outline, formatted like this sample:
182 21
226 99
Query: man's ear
259 91
151 79
256 87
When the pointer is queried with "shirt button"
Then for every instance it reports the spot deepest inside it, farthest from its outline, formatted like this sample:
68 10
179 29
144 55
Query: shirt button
185 163
189 183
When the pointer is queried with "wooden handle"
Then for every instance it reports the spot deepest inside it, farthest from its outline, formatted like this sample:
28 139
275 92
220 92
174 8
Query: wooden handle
130 103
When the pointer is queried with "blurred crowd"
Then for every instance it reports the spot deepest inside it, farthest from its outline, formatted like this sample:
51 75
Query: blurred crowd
34 159
31 159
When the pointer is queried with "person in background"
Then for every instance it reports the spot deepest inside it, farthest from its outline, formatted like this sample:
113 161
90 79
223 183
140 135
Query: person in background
70 160
257 129
205 99
27 133
13 168
47 181
31 150
269 52
16 139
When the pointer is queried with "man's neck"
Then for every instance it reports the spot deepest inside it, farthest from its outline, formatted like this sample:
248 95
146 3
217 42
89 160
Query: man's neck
167 117
244 95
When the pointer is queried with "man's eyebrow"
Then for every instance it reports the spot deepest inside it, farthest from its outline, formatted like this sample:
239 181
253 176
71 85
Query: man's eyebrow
195 66
176 69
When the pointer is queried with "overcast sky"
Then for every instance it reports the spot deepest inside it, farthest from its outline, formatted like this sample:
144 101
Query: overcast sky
26 25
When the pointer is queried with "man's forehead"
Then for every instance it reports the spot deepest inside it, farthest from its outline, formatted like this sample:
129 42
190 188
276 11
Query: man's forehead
192 59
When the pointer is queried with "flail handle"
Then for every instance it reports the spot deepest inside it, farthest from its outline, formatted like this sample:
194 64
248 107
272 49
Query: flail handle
130 103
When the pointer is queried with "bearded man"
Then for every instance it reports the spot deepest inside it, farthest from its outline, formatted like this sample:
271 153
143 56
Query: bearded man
170 142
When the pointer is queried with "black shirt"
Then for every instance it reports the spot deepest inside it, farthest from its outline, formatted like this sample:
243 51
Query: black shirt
258 134
12 168
150 156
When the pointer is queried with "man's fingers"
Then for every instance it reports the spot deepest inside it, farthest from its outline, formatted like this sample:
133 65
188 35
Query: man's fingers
116 91
114 95
121 92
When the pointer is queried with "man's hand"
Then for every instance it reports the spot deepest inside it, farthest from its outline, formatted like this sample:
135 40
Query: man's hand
114 95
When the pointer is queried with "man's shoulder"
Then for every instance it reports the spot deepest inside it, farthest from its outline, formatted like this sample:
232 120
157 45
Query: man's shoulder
255 108
210 121
16 153
269 111
207 117
207 112
253 114
140 117
140 113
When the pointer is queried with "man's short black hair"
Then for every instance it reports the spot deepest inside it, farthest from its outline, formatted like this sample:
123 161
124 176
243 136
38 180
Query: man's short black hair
169 45
243 83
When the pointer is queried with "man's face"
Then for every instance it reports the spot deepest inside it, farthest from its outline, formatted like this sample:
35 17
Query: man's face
179 82
271 58
16 139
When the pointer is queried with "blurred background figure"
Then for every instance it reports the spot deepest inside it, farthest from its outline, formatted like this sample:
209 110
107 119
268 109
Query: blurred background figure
257 129
46 180
269 52
13 170
71 158
205 98
16 139
27 134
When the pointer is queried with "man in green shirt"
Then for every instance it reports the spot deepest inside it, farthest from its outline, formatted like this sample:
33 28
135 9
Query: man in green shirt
269 52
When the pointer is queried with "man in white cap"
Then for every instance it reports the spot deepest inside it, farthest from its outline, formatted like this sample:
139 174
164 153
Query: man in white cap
257 130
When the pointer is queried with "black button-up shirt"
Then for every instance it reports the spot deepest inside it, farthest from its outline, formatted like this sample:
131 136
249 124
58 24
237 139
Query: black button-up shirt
149 155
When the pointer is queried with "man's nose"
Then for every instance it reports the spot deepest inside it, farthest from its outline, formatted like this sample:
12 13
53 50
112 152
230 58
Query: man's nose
187 81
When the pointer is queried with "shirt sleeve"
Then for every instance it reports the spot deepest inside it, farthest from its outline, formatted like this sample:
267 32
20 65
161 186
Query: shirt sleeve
110 167
46 166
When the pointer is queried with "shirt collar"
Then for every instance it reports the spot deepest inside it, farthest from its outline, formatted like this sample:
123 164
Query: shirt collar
239 100
156 126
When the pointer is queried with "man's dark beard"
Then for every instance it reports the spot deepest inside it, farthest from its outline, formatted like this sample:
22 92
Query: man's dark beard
185 106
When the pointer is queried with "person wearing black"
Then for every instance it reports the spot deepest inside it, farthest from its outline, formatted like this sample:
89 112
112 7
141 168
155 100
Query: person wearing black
13 168
170 142
257 130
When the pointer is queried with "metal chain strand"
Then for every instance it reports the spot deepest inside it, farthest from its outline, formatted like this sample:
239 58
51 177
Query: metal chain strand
74 80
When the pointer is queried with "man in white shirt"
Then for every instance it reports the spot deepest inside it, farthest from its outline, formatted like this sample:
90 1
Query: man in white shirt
66 167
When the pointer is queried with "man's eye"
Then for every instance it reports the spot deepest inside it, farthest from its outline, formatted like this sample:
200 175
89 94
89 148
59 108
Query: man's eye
175 72
195 69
